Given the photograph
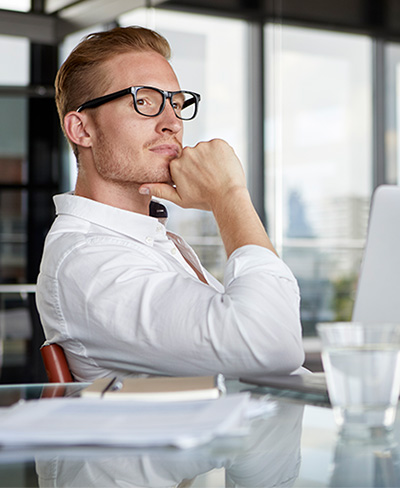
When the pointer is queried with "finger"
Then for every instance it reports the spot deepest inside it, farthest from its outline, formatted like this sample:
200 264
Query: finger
160 190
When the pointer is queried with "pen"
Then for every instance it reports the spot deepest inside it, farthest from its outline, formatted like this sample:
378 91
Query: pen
109 385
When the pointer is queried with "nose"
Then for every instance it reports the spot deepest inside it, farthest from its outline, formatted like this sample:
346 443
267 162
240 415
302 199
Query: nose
168 121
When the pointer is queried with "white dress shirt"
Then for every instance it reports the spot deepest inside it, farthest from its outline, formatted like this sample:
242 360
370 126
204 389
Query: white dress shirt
115 291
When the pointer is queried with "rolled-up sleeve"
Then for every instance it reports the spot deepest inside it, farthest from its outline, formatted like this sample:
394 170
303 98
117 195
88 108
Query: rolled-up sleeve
128 311
262 303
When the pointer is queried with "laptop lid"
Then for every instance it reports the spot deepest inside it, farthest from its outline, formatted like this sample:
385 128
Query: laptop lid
378 290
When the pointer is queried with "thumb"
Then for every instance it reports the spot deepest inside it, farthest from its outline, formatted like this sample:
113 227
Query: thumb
160 190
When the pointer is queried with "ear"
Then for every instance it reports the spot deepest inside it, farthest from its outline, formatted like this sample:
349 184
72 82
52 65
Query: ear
75 125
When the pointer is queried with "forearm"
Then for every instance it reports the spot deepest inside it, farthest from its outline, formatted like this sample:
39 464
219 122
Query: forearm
239 223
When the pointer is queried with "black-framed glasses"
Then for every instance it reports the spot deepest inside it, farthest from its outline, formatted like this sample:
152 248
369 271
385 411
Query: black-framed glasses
150 101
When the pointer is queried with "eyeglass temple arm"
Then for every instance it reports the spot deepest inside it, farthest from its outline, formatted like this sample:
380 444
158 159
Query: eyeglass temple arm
96 102
191 101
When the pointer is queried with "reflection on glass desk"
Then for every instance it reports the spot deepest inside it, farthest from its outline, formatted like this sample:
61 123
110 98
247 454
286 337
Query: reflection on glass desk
296 446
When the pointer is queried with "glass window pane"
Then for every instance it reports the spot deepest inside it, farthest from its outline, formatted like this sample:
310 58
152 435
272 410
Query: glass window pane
15 334
13 212
14 55
319 160
13 170
13 142
392 106
17 5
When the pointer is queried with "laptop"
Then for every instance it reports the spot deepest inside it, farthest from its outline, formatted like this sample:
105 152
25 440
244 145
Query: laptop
377 296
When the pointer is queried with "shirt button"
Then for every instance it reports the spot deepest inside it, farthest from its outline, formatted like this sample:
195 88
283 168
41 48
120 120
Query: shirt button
159 228
149 240
173 251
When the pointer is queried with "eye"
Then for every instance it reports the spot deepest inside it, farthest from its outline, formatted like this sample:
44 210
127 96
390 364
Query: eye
144 101
148 101
178 102
177 106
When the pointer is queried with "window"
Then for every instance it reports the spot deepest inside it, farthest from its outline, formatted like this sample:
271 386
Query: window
14 54
13 173
319 162
17 5
15 325
392 105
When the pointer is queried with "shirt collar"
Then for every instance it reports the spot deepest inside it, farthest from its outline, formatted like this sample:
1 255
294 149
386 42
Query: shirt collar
158 210
131 224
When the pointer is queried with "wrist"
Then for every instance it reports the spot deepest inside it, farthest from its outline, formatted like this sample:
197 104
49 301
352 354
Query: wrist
230 199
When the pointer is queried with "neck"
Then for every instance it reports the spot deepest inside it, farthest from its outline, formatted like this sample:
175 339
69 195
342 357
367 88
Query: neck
124 196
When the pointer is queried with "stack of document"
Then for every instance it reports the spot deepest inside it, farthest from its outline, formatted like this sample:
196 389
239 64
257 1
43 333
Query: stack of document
93 421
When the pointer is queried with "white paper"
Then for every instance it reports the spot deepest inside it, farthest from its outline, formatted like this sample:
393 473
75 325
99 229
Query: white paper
260 407
78 421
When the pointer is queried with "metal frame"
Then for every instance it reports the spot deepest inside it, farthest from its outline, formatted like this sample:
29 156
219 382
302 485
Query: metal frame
256 116
52 20
379 113
39 28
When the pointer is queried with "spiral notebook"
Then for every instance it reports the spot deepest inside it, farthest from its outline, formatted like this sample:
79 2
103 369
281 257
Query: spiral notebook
157 389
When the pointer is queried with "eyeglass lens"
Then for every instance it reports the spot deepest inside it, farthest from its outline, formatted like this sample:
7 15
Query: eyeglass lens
149 102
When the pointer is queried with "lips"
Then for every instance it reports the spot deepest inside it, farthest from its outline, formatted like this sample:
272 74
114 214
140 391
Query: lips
170 150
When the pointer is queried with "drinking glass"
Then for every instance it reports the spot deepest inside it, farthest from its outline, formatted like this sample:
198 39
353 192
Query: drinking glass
362 367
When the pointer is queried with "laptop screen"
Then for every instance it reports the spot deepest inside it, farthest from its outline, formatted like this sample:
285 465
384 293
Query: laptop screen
378 290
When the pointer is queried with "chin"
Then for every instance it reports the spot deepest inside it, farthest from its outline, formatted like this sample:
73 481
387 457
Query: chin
166 178
160 179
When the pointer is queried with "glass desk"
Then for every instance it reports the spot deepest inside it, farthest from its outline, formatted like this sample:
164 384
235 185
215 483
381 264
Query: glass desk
297 446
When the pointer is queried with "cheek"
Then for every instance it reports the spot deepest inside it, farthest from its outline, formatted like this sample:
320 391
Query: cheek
120 138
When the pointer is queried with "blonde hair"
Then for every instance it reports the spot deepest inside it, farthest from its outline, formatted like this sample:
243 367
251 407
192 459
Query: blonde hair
81 77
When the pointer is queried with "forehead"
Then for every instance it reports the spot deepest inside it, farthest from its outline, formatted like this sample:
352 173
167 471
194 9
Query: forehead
140 68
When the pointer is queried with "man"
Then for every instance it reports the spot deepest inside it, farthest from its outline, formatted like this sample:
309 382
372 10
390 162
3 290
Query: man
117 291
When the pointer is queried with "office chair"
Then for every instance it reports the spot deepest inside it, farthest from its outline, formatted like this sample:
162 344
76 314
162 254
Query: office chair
56 364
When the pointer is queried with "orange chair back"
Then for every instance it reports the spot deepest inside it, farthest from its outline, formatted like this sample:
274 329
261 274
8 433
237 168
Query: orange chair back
56 364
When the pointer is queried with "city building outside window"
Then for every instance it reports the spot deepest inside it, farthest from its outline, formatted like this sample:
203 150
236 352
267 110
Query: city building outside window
319 161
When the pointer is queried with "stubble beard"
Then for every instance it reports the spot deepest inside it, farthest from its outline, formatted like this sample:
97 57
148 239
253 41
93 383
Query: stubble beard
118 166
